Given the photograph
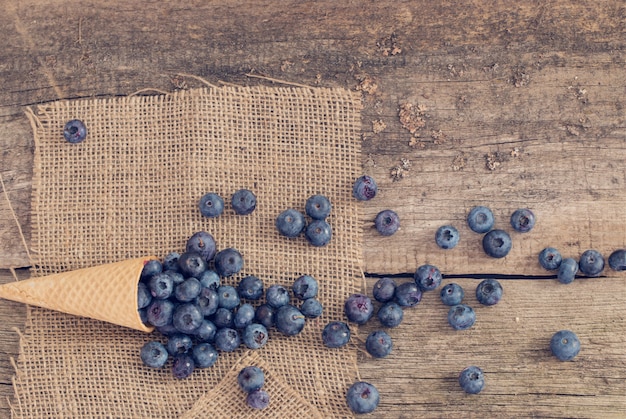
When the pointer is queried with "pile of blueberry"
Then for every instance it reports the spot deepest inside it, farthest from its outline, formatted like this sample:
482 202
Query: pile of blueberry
251 380
291 222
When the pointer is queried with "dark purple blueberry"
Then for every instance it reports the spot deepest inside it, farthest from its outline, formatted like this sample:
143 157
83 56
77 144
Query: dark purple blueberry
497 243
565 345
204 355
243 202
154 354
161 286
472 380
362 397
311 308
143 315
167 330
202 243
188 290
144 297
452 294
567 271
211 205
244 316
364 188
461 317
170 262
150 268
447 237
251 378
523 220
390 314
489 292
336 334
264 314
255 336
617 260
192 264
318 207
178 343
159 312
384 289
250 288
228 297
480 219
591 263
305 287
358 308
207 301
408 294
210 279
206 331
289 320
387 222
258 399
183 366
223 317
550 258
277 296
228 262
290 223
318 233
187 317
378 344
227 339
427 277
75 131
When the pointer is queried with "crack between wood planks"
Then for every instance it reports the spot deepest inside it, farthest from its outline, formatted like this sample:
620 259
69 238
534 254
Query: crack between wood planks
480 276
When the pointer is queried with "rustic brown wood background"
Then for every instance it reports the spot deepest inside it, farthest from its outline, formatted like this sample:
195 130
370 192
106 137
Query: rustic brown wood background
516 105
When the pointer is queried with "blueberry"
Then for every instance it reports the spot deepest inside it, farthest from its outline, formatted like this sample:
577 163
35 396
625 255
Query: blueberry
206 331
255 336
378 344
427 277
565 345
170 262
480 219
144 297
154 354
159 312
336 334
204 355
318 207
384 289
390 314
387 222
489 292
150 268
567 271
277 296
75 131
228 262
192 264
362 397
223 317
523 220
251 378
211 205
161 285
227 339
447 237
258 399
472 380
187 317
591 263
550 258
318 233
290 223
227 297
408 294
188 290
497 243
358 308
202 243
617 260
143 315
461 317
244 316
264 314
289 320
250 288
243 202
178 343
183 366
207 301
210 279
177 277
167 330
305 287
364 188
311 308
452 294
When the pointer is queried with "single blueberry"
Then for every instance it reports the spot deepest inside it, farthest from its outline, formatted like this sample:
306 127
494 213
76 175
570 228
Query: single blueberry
223 317
378 344
550 258
211 205
362 397
387 222
159 312
565 345
336 334
206 331
358 308
384 289
150 268
264 314
364 188
192 264
143 315
489 292
75 131
207 301
447 237
311 308
390 314
408 294
244 316
567 271
144 297
228 297
161 285
317 207
617 260
243 202
290 223
227 339
203 244
251 378
472 380
480 219
304 287
228 262
178 343
187 317
255 336
188 290
154 354
523 220
289 320
452 294
497 243
461 317
210 279
591 263
170 262
250 288
318 233
183 366
258 399
277 296
427 277
204 355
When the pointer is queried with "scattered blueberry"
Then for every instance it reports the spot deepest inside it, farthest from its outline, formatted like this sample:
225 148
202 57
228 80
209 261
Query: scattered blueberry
390 314
223 317
251 378
461 317
144 297
550 258
617 260
159 312
227 297
452 294
290 223
153 354
567 271
258 399
489 292
311 308
264 314
244 316
378 344
150 268
408 294
472 380
384 289
188 290
211 205
447 237
255 336
243 202
277 296
202 243
207 301
591 263
362 397
204 355
364 188
480 219
161 285
228 262
227 339
523 220
187 317
75 131
305 287
206 331
497 243
192 264
289 320
318 233
250 288
358 308
318 207
427 277
336 334
183 366
387 222
565 345
178 343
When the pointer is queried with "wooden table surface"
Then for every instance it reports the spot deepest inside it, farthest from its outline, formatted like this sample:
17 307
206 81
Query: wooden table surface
511 105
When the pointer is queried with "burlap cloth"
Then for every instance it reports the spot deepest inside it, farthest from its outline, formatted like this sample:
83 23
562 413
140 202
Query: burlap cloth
131 189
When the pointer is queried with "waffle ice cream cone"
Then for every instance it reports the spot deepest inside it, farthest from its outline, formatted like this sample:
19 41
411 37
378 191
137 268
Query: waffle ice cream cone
105 292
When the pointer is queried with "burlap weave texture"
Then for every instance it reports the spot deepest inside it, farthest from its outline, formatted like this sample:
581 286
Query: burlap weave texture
131 189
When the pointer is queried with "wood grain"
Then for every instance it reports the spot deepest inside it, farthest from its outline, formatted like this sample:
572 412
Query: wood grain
536 87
